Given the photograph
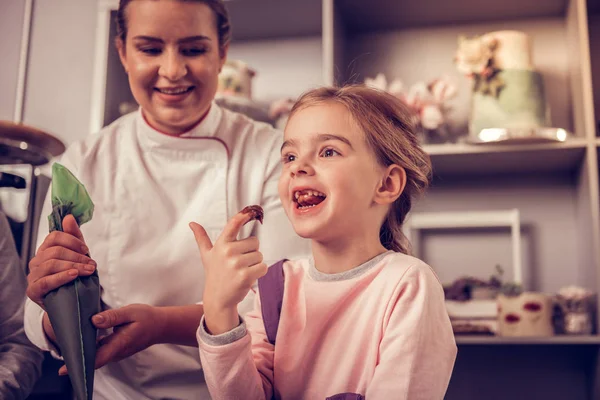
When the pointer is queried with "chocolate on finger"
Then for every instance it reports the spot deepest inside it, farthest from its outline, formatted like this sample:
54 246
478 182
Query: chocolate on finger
256 213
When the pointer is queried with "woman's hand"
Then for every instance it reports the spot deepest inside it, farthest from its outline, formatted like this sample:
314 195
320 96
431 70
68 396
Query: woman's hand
135 328
60 259
231 267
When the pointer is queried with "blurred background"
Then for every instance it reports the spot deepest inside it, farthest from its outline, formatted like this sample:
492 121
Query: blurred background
507 98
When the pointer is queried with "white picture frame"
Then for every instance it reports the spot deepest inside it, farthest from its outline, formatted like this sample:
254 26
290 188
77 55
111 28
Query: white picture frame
469 219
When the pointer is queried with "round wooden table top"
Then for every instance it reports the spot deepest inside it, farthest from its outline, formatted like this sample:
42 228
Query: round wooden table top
23 144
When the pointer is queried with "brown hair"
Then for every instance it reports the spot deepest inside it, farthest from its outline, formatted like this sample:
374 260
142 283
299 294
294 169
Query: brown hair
390 132
217 6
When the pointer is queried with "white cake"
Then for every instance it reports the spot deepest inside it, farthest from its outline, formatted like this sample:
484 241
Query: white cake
507 91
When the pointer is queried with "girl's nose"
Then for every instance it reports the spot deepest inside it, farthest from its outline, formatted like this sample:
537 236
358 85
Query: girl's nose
173 66
301 167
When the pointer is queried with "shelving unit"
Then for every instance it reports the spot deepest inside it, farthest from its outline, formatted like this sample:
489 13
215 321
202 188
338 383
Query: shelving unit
297 45
451 160
537 341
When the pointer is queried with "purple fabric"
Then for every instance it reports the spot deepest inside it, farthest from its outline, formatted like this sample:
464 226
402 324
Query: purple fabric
270 288
346 396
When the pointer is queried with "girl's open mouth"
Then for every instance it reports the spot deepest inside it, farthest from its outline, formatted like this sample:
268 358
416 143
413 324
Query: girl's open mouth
307 198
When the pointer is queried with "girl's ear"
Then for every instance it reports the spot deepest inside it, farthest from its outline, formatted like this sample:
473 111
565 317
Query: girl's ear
392 185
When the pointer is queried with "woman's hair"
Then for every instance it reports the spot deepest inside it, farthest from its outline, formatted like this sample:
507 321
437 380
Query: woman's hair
217 6
390 132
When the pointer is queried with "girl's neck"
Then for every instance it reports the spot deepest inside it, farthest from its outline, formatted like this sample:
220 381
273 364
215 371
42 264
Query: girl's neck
336 257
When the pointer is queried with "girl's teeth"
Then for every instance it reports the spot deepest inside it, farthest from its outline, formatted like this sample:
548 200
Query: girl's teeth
298 194
312 205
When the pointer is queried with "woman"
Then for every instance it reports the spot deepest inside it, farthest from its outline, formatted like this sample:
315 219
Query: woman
179 158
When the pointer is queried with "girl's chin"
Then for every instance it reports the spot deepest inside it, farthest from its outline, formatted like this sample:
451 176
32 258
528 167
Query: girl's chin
309 232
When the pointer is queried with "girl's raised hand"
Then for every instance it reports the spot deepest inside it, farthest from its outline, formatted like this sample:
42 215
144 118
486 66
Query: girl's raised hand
231 267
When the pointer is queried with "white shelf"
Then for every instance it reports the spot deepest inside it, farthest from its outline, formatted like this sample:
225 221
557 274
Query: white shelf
380 15
274 19
478 160
552 340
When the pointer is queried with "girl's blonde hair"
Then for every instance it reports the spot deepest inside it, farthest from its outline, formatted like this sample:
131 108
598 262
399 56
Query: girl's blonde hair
389 130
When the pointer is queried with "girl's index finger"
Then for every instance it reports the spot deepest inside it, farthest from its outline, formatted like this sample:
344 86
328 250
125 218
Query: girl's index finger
235 224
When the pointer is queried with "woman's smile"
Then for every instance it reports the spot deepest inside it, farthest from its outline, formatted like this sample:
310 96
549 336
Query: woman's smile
174 94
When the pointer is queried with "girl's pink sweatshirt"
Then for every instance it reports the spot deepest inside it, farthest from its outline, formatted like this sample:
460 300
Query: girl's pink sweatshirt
378 331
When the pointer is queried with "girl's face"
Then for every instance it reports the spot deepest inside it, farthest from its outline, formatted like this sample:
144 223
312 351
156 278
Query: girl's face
171 55
330 176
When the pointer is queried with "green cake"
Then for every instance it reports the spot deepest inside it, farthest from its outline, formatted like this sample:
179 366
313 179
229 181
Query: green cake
507 92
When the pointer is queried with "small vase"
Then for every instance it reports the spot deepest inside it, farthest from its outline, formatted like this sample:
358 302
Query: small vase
576 315
528 314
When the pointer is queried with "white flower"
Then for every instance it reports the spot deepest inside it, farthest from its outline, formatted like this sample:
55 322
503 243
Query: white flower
442 90
431 117
574 292
395 88
474 54
379 82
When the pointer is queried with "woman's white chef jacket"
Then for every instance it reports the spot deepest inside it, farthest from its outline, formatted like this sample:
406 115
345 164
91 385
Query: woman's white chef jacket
147 187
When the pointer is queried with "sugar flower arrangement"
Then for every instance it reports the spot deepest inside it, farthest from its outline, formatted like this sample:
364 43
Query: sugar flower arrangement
475 59
427 100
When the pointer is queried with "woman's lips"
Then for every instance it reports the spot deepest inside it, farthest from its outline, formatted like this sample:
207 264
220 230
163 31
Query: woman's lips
173 95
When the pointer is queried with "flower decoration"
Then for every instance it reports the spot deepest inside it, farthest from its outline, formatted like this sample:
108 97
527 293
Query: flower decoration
426 100
475 59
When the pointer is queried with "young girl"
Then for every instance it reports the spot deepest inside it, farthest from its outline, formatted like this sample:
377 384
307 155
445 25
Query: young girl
362 318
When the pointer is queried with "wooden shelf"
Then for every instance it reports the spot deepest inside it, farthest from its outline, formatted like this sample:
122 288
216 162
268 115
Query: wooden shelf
477 160
362 16
552 340
274 19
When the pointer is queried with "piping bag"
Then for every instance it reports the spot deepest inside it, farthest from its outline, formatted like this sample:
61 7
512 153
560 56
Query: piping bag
70 307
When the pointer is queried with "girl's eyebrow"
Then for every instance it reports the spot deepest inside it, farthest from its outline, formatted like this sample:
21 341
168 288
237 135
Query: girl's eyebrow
287 143
321 137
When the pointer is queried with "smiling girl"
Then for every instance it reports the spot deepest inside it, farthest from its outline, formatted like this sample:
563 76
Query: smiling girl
361 318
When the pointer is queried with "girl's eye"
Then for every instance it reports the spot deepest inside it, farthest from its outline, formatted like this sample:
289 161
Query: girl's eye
286 158
329 153
193 52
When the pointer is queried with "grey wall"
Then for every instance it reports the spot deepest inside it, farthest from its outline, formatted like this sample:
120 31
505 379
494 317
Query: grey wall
549 230
285 67
11 26
60 68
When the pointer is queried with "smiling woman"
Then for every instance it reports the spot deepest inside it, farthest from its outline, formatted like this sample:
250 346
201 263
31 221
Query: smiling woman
179 158
172 53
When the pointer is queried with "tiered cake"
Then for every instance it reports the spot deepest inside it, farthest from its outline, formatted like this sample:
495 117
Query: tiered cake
507 91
